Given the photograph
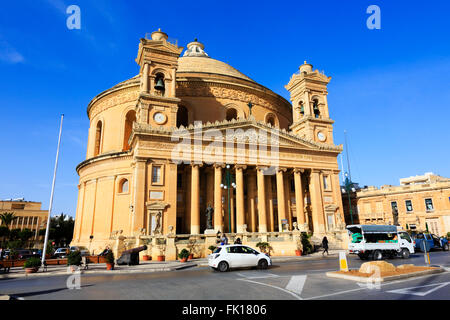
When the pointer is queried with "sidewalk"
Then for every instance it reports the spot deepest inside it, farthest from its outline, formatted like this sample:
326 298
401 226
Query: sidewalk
100 268
143 267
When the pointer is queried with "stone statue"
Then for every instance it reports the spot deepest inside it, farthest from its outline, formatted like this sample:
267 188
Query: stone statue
209 216
158 223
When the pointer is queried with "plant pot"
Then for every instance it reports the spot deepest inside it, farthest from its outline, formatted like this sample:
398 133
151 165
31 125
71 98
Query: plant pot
298 252
146 258
109 266
161 258
191 256
183 259
31 270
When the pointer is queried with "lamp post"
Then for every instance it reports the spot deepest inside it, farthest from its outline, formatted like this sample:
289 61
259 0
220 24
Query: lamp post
229 183
348 188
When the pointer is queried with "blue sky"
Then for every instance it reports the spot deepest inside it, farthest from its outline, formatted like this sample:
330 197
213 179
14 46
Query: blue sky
389 87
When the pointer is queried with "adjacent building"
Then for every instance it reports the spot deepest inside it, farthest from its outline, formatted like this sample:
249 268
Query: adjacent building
418 203
29 215
189 132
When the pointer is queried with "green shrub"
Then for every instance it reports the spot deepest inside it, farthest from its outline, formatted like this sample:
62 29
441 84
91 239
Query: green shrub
109 257
74 258
184 254
307 246
212 248
263 246
32 263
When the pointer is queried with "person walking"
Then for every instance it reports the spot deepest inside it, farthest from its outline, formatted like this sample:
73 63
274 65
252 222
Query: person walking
325 246
237 241
224 239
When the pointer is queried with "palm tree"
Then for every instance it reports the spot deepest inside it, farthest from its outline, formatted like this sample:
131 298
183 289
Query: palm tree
7 218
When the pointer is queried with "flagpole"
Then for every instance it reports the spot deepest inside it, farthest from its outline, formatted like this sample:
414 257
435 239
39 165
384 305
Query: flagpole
44 251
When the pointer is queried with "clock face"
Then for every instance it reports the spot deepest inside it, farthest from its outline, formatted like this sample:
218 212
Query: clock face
159 117
321 136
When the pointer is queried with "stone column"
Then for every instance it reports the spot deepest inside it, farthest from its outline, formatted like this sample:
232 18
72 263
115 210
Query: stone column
195 199
299 197
316 203
251 183
240 219
145 79
280 198
139 195
218 219
261 201
269 203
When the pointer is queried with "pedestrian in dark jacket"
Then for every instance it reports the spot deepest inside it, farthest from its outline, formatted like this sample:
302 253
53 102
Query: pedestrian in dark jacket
325 245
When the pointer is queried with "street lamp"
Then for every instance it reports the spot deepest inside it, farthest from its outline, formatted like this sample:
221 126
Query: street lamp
228 185
348 188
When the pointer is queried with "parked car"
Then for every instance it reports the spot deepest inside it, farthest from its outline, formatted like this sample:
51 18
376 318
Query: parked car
23 254
237 256
378 241
432 241
61 253
84 251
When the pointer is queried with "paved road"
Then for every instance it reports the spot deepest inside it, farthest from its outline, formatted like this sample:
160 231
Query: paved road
284 281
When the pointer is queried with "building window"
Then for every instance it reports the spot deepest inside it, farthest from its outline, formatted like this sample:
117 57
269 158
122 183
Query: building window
20 220
156 174
129 119
231 114
98 138
325 183
302 108
429 204
409 207
35 220
124 186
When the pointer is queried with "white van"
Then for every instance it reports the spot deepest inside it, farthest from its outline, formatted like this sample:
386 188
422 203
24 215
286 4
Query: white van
378 241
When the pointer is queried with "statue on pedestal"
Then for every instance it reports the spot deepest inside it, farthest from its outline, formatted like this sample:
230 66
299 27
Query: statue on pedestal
209 217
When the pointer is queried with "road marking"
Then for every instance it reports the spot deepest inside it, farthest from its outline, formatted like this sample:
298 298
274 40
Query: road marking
257 275
296 284
275 287
422 294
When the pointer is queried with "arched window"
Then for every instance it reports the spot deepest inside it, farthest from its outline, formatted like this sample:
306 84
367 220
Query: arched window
302 108
271 120
316 108
129 119
98 138
123 186
231 114
182 116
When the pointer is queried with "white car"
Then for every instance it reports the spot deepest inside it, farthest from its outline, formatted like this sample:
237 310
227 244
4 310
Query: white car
237 256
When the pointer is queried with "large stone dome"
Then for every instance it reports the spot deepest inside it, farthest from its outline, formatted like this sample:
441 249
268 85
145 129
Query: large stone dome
206 65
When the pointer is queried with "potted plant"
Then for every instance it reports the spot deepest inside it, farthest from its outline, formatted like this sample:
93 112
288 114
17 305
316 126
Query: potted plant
264 247
146 257
299 250
109 260
183 255
32 265
162 249
74 259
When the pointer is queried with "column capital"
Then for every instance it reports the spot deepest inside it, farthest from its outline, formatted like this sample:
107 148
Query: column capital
197 165
219 165
298 170
240 166
261 168
316 171
281 169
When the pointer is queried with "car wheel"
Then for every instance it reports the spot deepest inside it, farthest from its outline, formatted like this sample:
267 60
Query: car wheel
445 247
263 264
405 253
223 266
362 256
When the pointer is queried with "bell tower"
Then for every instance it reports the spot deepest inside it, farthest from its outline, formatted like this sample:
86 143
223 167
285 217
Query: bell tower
309 104
158 60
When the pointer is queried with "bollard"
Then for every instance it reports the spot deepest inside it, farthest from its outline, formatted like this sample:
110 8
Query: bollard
343 266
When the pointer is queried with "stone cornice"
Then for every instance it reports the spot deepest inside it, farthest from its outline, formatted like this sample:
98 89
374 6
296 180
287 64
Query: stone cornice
106 156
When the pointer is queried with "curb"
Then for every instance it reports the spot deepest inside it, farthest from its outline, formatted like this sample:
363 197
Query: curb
93 272
333 274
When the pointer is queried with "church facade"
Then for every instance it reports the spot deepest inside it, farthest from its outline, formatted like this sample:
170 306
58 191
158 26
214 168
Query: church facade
191 146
